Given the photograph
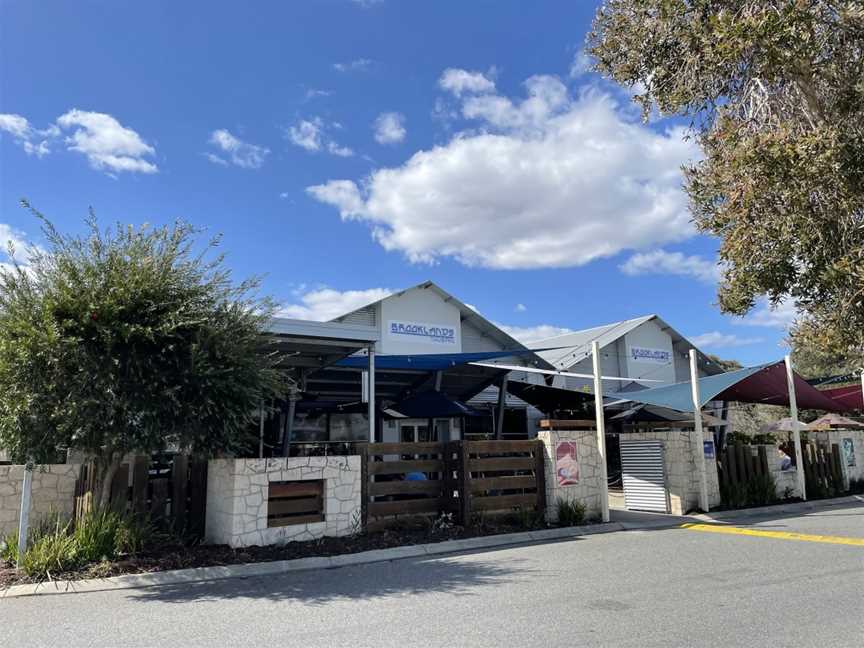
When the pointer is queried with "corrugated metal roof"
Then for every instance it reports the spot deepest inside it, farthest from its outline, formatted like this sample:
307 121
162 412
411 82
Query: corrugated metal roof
578 343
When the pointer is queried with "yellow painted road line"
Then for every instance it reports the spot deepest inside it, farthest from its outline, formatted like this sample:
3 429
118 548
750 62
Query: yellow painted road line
780 535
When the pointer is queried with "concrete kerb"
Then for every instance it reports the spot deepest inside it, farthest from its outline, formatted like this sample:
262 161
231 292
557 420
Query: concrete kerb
249 570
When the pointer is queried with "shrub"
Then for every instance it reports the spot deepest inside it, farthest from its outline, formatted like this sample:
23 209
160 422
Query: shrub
570 512
856 486
99 535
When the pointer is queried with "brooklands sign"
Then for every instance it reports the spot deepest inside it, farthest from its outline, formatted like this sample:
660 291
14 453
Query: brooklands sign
421 332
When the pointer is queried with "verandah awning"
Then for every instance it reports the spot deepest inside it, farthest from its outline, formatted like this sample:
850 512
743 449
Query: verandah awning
428 361
764 384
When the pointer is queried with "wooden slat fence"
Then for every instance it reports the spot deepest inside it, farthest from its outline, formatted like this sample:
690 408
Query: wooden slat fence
457 477
822 471
171 494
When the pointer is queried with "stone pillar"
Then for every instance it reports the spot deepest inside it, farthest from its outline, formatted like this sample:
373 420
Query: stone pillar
586 488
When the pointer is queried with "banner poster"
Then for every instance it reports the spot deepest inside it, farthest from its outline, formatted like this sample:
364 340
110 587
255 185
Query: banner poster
566 464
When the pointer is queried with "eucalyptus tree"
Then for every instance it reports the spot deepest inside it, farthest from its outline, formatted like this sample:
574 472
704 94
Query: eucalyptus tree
774 92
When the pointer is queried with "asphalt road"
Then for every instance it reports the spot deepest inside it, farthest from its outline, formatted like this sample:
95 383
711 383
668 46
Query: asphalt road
638 588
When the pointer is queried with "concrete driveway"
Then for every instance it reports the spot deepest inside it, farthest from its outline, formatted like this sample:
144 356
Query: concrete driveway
673 587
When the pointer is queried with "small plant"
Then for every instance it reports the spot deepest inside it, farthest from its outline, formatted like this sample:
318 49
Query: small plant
55 546
444 522
528 518
357 524
570 512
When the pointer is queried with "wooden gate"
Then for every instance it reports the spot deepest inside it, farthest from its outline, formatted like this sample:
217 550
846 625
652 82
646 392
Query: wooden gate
457 477
744 476
170 493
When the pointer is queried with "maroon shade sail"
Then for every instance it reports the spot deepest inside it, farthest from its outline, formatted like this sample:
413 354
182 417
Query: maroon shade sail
768 386
848 398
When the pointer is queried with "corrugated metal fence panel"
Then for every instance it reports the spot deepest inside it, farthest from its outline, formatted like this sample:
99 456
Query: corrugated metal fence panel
644 476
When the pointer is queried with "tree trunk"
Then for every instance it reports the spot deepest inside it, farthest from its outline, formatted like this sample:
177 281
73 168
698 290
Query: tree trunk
106 469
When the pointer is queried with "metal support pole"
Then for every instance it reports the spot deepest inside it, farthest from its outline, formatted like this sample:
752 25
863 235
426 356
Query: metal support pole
371 394
796 431
293 396
699 441
24 517
502 402
261 429
601 431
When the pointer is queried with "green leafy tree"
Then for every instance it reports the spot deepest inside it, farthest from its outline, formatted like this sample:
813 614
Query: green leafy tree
127 339
774 91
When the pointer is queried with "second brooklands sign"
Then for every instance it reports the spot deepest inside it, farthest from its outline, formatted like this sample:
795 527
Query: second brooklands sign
422 332
656 356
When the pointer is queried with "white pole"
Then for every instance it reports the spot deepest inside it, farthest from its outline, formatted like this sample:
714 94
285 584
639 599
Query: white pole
796 432
24 518
601 431
699 441
371 394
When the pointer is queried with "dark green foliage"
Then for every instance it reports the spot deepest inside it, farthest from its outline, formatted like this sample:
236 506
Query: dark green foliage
128 339
774 90
766 438
570 512
760 490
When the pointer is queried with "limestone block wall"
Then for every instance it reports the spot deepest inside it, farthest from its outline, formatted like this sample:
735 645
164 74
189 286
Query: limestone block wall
53 492
588 490
785 481
682 473
237 491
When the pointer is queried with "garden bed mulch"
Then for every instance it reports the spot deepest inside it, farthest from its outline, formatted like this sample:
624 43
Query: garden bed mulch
179 556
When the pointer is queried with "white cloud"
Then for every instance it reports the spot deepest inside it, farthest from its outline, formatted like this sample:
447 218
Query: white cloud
718 340
462 81
580 65
242 154
324 304
357 65
674 263
551 181
367 4
781 316
527 335
521 308
18 240
311 135
390 128
313 93
32 140
107 144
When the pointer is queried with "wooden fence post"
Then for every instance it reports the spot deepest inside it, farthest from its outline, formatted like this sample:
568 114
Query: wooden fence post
364 484
197 512
120 489
540 475
763 460
140 477
464 483
836 468
179 482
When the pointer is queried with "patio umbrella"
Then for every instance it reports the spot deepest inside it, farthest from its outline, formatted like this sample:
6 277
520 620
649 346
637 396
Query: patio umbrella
834 421
783 425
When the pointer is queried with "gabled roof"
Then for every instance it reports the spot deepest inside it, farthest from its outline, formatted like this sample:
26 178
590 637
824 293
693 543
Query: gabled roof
466 313
571 348
577 344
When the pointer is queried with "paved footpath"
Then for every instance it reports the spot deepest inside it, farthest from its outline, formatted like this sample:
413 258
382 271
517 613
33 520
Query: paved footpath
764 581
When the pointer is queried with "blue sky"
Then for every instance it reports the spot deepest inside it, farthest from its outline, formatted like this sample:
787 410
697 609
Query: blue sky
345 148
